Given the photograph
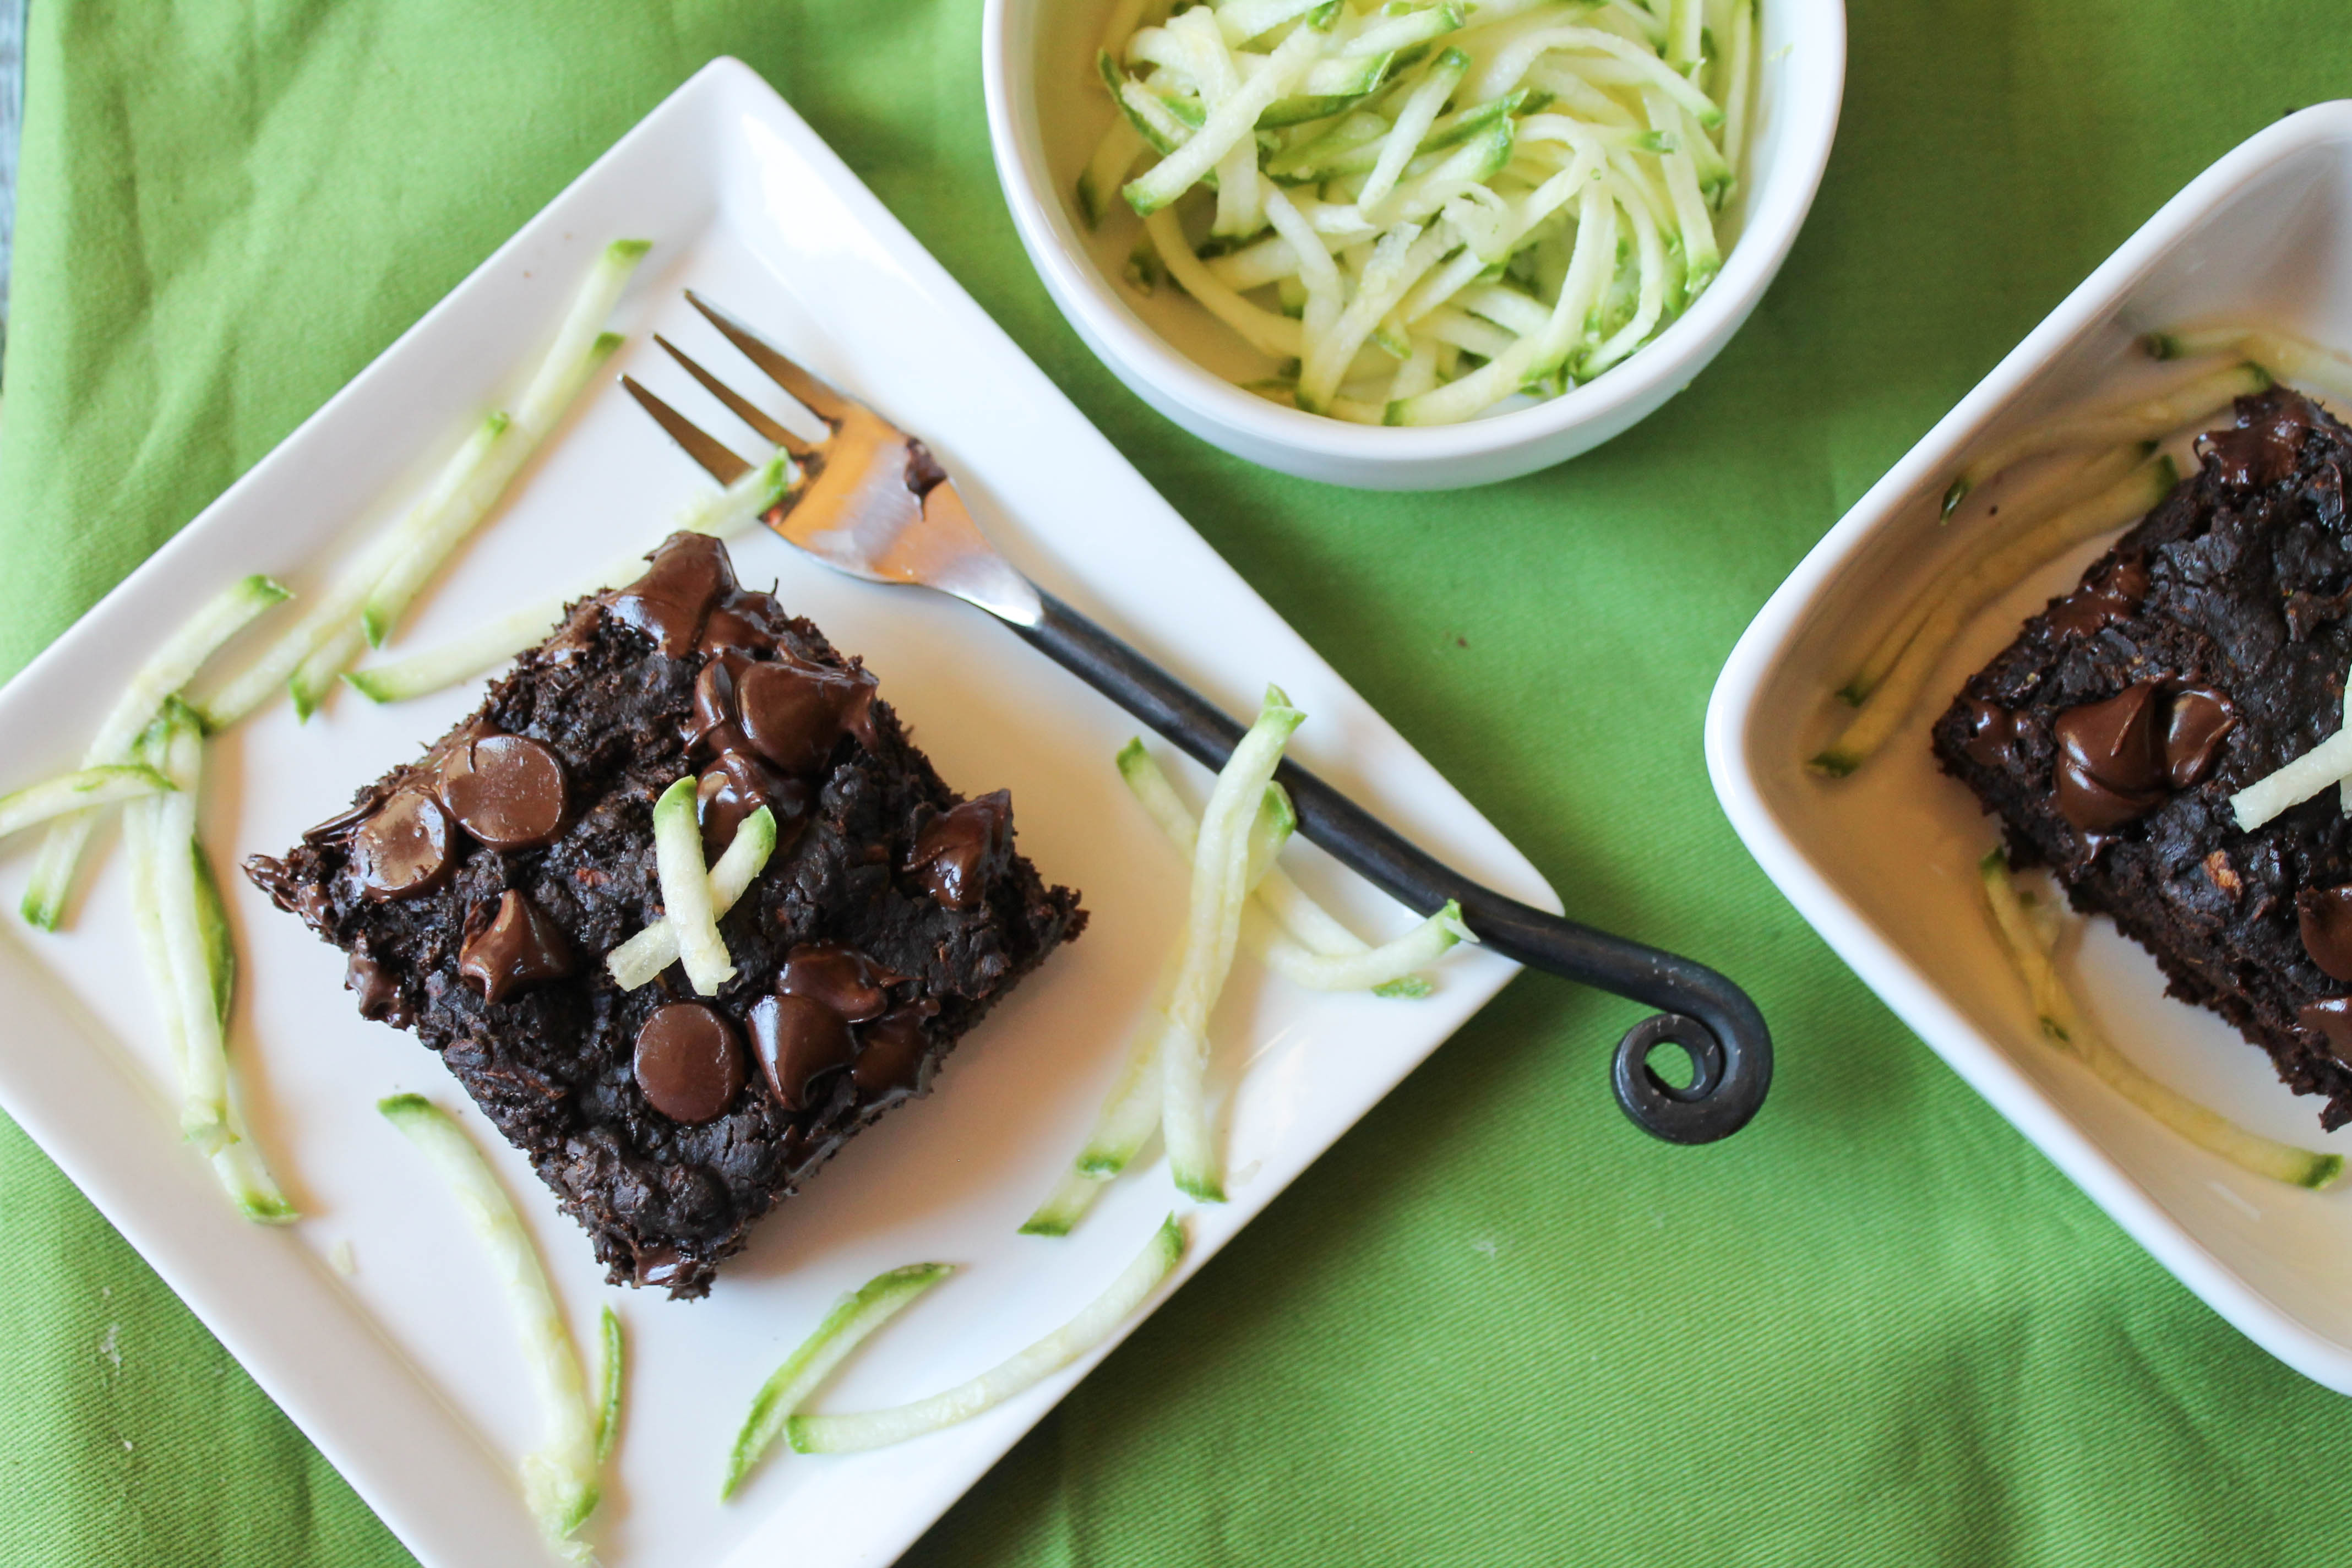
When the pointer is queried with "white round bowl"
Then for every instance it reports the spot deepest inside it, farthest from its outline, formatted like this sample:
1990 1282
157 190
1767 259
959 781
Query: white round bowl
1045 114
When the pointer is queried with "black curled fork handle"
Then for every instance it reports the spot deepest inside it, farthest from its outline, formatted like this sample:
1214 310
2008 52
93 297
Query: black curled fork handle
1708 1017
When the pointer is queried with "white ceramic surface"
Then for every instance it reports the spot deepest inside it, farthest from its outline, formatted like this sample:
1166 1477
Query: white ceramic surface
1046 111
1882 864
404 1371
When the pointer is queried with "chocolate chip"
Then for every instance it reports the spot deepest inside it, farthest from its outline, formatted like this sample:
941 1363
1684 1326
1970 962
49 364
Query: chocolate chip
520 947
690 574
404 849
839 976
2262 449
894 1056
2201 719
658 1264
793 711
735 786
2111 763
378 992
799 1038
1993 735
507 791
2330 1018
340 824
689 1062
2097 606
953 850
714 703
739 627
2325 916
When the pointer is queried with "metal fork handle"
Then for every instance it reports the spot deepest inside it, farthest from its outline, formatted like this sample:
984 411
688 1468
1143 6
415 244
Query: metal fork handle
1706 1015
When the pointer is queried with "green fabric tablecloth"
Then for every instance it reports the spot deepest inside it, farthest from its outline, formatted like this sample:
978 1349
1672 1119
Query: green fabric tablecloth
1494 1324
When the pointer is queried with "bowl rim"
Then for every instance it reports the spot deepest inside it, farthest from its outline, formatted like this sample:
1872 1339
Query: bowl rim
1734 719
1122 339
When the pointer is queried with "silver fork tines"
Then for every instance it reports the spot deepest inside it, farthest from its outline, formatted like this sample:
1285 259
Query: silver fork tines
742 408
868 499
717 460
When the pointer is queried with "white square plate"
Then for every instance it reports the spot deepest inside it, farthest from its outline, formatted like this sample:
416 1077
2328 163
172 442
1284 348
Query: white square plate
404 1371
1883 863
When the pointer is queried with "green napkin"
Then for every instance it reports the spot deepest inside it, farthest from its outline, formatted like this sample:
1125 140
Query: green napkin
1494 1324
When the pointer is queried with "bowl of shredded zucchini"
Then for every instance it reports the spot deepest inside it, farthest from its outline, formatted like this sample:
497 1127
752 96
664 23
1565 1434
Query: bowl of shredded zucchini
1415 245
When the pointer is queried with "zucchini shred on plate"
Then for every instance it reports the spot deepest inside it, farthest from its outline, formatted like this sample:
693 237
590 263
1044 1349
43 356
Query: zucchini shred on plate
1419 211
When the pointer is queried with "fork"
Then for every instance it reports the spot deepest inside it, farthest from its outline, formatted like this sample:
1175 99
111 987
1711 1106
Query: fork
870 501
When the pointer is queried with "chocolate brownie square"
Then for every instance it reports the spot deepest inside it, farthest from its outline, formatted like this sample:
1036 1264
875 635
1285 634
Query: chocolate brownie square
479 889
2205 650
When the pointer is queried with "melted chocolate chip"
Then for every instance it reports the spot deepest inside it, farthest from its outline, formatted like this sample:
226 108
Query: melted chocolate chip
2201 719
689 1062
713 724
404 849
519 948
894 1058
307 899
799 1039
317 910
2330 1018
793 712
839 977
690 574
340 825
1993 735
2324 915
735 786
924 474
507 791
2262 451
658 1265
953 849
378 992
2111 765
2094 606
738 627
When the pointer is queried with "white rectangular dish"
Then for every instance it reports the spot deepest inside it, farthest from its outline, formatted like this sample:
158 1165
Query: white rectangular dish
1883 863
402 1368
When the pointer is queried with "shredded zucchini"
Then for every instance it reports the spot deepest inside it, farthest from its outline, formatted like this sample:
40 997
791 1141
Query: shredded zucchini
611 1371
2280 355
1134 1108
1961 597
1211 930
2020 515
80 790
2326 763
559 1475
366 597
147 829
2031 945
1284 929
723 513
852 1319
167 670
880 1428
1362 162
2150 419
692 914
640 960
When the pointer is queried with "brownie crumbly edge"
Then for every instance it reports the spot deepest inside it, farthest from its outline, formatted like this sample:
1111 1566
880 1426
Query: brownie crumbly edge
2205 650
552 1064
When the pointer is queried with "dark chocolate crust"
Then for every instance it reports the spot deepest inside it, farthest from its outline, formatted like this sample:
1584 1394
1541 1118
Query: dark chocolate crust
2248 572
552 1065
